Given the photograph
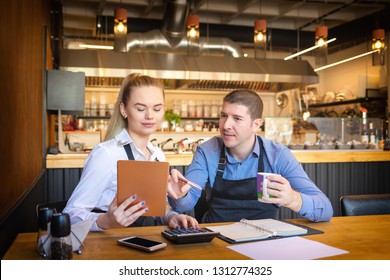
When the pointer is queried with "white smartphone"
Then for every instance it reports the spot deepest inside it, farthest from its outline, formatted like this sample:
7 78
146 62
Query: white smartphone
142 243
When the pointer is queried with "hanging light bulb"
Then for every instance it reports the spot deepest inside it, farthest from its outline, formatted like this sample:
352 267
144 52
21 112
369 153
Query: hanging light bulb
378 44
321 35
260 38
260 31
120 29
378 39
321 39
193 46
320 42
192 33
193 26
120 20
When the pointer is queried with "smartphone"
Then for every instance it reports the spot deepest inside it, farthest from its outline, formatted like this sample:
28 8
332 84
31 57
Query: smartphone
142 243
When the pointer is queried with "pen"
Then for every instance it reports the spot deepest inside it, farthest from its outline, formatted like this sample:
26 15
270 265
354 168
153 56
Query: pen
192 184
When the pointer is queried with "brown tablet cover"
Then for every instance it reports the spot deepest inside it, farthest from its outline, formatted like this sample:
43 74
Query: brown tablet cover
148 180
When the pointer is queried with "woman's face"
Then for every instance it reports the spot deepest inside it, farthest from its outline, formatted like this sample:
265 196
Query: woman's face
145 110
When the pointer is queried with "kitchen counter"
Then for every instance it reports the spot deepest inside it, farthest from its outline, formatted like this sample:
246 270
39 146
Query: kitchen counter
335 172
77 160
303 156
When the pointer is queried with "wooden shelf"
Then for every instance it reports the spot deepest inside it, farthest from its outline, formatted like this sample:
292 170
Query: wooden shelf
94 118
186 132
198 118
345 102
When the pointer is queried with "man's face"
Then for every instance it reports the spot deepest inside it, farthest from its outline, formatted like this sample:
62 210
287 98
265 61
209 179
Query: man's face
237 129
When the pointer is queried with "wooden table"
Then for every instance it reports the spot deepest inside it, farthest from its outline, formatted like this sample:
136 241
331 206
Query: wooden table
365 237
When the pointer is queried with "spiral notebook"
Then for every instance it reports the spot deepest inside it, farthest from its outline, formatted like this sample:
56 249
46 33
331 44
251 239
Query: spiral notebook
251 230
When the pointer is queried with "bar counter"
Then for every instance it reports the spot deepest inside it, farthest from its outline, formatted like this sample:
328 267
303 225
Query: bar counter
335 172
303 156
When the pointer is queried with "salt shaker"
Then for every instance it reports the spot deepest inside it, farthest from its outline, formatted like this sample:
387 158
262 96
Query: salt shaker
44 217
61 242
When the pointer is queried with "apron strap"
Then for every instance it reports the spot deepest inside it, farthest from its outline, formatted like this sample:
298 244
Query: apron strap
222 159
128 151
260 166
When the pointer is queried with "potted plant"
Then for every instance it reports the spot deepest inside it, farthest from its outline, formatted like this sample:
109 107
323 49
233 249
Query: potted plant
172 118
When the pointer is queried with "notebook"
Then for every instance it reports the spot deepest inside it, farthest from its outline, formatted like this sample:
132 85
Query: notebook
251 230
148 180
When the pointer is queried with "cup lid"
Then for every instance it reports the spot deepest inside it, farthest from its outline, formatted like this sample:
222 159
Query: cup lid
44 216
60 225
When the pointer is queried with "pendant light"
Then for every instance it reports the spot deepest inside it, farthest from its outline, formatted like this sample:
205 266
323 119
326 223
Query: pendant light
193 40
120 21
378 44
193 27
260 36
321 38
193 35
120 29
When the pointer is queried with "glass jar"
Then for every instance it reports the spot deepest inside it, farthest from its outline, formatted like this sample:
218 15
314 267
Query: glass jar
220 102
111 108
93 110
206 127
44 217
176 107
102 110
61 242
87 109
207 109
199 109
188 126
191 108
184 109
214 109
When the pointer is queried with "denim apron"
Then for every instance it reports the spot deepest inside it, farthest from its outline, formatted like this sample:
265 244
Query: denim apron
232 200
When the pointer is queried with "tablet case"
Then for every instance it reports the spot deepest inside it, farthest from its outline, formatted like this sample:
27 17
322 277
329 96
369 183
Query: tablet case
148 180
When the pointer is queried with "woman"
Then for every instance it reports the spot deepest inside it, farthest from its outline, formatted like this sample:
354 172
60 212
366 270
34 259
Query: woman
138 113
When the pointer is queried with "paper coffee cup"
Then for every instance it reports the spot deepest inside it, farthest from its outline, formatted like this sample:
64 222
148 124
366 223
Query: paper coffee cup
262 189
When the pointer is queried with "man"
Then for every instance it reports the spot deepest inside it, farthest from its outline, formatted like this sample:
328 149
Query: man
227 167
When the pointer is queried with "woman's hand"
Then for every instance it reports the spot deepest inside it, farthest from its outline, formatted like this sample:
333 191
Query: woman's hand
123 215
176 187
182 221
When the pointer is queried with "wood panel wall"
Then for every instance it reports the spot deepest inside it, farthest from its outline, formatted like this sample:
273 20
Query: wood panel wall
22 114
334 179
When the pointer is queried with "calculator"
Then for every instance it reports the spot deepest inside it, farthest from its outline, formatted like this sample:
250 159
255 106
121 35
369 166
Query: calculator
189 235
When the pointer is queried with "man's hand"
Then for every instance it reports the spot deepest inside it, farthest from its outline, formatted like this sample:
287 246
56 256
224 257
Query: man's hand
176 187
283 193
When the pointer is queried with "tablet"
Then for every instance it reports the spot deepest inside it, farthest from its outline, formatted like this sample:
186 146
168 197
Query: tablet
148 180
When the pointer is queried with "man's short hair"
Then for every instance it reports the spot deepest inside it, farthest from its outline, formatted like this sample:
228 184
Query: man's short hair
247 98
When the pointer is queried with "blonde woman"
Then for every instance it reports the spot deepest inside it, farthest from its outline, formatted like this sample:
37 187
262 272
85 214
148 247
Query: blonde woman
138 113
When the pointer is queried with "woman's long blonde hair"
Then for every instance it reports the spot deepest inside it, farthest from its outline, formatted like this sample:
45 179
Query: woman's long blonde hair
132 81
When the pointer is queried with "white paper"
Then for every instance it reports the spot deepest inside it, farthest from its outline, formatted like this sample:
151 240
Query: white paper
291 248
80 230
